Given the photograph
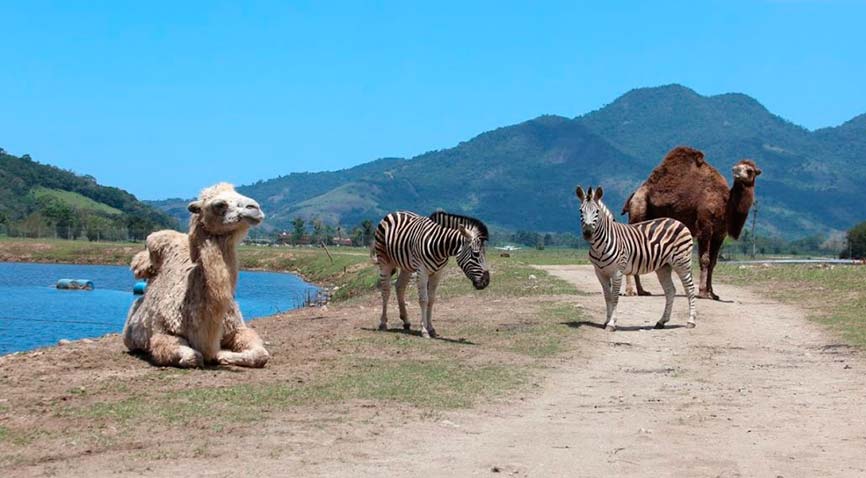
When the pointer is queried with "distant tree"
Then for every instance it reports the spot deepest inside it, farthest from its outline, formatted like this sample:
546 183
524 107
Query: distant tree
298 229
856 242
318 231
367 228
357 237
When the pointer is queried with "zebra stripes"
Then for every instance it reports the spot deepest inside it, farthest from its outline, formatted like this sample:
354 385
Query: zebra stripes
660 245
420 244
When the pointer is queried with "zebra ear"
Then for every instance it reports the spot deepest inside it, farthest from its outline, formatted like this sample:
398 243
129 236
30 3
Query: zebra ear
580 193
466 232
598 193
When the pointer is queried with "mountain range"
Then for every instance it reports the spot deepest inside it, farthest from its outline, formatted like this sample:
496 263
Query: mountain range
523 176
39 200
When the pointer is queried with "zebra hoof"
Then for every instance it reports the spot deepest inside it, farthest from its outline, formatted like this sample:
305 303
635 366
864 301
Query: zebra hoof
690 325
610 328
406 326
425 334
383 327
433 333
660 325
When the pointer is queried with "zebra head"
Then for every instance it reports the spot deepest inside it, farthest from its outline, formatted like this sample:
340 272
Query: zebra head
471 258
590 211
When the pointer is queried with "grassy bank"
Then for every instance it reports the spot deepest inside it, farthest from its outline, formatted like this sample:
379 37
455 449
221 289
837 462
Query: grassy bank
329 367
347 268
833 296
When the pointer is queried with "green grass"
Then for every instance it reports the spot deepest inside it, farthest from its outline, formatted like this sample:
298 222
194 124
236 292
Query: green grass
425 384
76 201
835 298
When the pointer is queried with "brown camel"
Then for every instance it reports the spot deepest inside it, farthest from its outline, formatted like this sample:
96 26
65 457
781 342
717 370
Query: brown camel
688 189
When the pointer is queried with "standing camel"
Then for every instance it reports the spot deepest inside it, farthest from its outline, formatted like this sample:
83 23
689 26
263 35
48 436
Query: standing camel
687 188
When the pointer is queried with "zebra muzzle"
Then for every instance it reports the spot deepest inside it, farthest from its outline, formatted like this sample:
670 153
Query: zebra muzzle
483 282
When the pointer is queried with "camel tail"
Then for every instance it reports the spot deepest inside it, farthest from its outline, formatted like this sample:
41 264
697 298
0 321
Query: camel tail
627 205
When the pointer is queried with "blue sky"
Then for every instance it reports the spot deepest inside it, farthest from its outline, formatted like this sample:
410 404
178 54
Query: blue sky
163 98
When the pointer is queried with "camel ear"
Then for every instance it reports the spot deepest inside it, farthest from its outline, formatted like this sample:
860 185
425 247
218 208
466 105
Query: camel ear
466 232
580 194
194 207
598 193
757 172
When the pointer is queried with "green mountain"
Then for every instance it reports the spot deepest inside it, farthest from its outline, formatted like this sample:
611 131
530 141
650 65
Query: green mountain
522 177
42 200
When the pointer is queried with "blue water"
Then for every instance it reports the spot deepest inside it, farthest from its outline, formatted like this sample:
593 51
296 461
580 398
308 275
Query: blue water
33 313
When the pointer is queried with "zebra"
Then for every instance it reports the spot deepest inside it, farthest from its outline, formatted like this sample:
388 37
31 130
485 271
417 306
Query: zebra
420 244
661 245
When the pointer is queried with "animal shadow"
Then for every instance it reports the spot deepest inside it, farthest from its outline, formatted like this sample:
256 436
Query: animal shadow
417 333
216 367
576 324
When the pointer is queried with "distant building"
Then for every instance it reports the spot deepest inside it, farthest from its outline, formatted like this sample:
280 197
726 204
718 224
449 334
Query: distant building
341 241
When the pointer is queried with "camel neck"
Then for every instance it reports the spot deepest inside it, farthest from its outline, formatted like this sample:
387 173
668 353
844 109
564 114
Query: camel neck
740 201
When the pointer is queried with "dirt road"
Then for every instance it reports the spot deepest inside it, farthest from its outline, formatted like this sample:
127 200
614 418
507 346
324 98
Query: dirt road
754 390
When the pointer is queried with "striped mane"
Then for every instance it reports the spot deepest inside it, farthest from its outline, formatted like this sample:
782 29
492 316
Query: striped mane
447 219
604 210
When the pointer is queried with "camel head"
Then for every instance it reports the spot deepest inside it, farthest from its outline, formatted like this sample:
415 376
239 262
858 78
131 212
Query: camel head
746 171
221 210
590 210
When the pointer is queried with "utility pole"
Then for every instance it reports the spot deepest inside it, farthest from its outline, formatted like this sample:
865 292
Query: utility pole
754 222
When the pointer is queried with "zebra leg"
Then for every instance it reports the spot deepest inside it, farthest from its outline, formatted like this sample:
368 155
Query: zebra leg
385 273
664 275
629 285
615 286
640 289
423 280
402 282
685 273
604 279
432 284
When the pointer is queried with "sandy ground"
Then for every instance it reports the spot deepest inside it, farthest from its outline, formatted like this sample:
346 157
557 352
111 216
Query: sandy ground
754 390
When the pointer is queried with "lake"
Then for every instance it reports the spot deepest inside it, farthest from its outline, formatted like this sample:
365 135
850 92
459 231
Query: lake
33 313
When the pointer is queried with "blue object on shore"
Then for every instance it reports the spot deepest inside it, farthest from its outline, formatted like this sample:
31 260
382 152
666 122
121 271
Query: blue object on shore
139 288
75 284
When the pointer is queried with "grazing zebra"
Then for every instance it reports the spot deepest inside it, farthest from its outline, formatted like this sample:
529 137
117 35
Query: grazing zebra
661 245
419 244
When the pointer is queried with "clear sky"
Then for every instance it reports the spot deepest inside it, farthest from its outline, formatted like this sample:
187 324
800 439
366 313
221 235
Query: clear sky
162 98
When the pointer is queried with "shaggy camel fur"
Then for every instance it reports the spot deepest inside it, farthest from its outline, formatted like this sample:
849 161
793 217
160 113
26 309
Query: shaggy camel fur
686 188
188 316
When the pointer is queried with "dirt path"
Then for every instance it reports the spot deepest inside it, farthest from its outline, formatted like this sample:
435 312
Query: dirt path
754 390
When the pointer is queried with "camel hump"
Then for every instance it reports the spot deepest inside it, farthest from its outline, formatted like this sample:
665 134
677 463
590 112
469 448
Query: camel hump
141 266
682 155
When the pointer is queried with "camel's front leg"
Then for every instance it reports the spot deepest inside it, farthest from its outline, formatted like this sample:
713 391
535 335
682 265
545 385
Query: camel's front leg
242 345
173 351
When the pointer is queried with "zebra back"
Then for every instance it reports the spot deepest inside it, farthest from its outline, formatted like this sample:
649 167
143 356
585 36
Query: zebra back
454 221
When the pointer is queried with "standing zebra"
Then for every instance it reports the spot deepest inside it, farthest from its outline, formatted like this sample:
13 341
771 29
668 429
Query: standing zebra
659 245
419 244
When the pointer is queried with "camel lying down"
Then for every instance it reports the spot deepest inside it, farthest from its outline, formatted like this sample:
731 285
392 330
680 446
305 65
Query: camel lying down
189 317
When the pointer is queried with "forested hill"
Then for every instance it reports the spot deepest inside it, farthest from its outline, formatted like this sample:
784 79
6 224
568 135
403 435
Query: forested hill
42 200
522 177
